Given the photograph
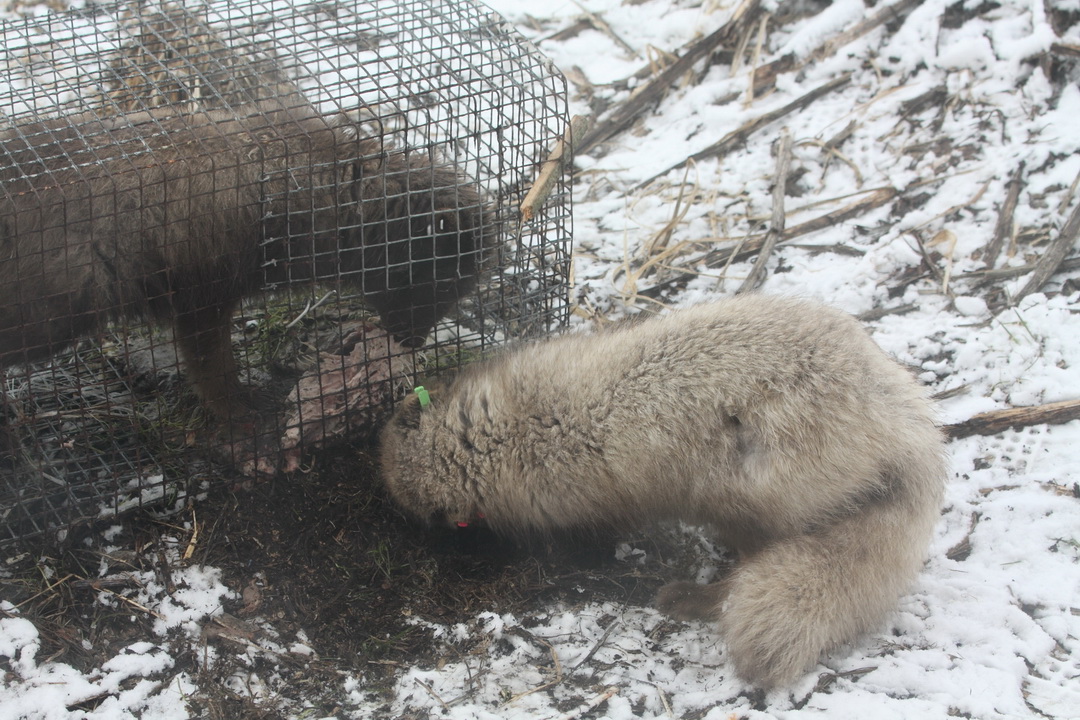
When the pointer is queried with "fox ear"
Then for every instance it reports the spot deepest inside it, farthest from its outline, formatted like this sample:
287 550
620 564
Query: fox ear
408 415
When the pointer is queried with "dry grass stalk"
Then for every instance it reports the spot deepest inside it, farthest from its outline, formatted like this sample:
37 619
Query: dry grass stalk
1005 227
995 421
831 152
193 541
49 589
602 26
660 240
740 134
1066 49
625 114
554 661
1054 256
763 26
886 14
878 313
776 224
590 705
986 277
560 158
1067 199
745 16
877 198
132 603
947 240
752 242
432 693
740 50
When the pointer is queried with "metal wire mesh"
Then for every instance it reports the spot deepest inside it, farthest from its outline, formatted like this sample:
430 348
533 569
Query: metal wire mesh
297 192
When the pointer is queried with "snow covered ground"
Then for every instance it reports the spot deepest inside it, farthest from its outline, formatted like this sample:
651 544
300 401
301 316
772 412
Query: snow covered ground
943 105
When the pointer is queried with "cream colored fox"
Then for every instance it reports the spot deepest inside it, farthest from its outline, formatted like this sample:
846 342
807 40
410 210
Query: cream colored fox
778 422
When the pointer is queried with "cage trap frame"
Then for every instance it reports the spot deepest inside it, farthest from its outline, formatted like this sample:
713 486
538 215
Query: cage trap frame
108 423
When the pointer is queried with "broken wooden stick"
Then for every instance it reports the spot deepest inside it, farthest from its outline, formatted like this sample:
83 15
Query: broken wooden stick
886 14
764 76
601 25
752 245
1066 49
561 156
877 198
651 92
776 224
1004 227
740 134
985 277
995 421
1051 260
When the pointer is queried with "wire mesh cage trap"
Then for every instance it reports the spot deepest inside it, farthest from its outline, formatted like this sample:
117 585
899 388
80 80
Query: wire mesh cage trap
312 203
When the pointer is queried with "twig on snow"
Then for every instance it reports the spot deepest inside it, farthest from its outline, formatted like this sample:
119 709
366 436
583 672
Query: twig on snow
432 693
599 644
602 26
554 659
887 13
1004 227
1051 260
750 245
995 421
740 134
986 277
561 156
776 224
587 706
645 96
878 313
1066 49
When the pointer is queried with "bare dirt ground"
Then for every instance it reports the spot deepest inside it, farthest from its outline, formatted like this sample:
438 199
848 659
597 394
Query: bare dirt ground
325 554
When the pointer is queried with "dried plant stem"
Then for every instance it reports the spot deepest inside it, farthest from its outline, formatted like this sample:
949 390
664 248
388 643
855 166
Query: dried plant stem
1066 49
1051 260
752 244
1004 227
551 683
878 197
776 224
600 24
625 114
985 277
887 13
878 313
47 590
599 644
763 26
660 240
591 704
995 421
431 691
740 134
560 158
763 76
132 603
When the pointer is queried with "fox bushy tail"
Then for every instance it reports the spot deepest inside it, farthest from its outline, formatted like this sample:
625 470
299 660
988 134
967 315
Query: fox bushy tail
798 597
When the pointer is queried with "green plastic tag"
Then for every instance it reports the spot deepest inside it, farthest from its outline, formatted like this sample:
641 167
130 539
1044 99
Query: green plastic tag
422 395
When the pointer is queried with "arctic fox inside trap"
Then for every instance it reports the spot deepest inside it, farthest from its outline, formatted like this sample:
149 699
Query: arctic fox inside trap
309 202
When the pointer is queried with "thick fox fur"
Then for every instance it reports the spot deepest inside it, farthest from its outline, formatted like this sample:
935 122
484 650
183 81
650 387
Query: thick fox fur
179 215
778 422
